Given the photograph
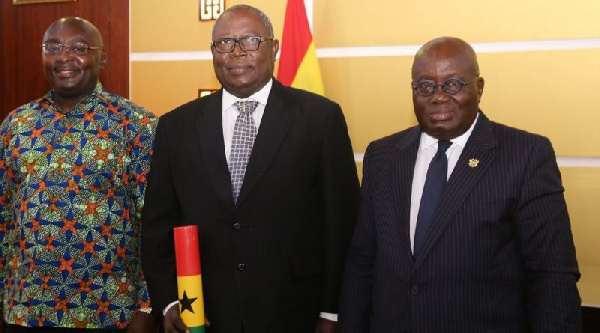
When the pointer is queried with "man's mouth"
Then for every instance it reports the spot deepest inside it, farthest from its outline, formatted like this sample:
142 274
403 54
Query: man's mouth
66 72
440 115
239 69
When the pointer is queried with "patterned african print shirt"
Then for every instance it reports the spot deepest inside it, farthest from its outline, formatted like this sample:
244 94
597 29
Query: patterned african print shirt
71 194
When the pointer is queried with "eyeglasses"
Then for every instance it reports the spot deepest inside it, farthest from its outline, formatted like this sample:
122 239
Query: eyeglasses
78 48
250 43
428 88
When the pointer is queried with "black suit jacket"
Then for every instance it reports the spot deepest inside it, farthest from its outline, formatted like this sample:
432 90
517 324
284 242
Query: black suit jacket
499 255
273 261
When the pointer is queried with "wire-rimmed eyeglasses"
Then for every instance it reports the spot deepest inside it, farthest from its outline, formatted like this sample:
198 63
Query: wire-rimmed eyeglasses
250 43
77 48
428 88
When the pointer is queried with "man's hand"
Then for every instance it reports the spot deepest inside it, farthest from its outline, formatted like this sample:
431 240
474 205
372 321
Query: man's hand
326 326
173 322
141 323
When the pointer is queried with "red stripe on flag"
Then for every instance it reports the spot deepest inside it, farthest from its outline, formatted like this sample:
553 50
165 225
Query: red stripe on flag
187 252
295 41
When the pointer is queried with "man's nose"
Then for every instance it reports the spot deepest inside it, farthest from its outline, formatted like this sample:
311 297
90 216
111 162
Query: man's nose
237 49
439 95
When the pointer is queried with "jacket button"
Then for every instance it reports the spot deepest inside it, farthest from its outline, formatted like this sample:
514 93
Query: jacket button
414 290
237 226
241 267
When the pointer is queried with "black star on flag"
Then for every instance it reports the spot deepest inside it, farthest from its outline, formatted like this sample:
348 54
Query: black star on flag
186 303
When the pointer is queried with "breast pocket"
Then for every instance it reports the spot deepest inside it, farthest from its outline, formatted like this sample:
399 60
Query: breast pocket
107 167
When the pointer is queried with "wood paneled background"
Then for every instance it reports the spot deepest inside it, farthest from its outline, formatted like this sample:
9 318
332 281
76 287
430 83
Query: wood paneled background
21 74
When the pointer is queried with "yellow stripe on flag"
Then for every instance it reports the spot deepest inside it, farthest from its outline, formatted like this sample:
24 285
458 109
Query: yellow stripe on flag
192 285
308 76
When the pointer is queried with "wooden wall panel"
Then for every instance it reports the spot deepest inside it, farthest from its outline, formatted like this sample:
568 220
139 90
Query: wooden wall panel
21 75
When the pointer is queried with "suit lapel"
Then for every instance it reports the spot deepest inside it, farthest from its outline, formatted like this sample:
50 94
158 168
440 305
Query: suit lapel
402 176
209 127
275 124
474 160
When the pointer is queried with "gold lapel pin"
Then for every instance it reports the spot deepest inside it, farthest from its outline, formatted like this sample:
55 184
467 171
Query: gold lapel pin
473 163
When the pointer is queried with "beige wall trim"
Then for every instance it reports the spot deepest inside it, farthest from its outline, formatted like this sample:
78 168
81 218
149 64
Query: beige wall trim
487 47
591 305
387 51
170 56
591 162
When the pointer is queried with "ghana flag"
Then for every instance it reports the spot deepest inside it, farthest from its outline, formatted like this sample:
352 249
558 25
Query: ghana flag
298 63
189 278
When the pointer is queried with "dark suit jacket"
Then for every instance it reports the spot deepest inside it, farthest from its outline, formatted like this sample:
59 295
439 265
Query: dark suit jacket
275 260
499 255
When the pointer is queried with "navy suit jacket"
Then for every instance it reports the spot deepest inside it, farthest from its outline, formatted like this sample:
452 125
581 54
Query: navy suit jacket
275 259
498 257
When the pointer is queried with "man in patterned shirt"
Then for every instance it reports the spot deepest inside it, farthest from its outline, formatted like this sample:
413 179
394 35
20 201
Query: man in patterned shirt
73 168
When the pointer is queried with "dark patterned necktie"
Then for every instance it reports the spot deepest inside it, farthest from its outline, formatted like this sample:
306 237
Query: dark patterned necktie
435 182
244 133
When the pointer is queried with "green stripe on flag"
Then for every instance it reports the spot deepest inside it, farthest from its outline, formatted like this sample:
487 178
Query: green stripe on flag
197 329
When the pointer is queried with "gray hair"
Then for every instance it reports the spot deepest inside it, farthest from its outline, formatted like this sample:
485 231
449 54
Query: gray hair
265 19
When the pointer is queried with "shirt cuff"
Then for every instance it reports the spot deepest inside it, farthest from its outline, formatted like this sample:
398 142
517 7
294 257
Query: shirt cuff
146 310
168 307
329 316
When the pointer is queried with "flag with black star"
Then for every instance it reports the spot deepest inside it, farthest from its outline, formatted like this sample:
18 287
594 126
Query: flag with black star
189 278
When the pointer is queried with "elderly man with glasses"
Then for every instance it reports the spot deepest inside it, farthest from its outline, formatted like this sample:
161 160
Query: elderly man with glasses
463 225
73 166
267 174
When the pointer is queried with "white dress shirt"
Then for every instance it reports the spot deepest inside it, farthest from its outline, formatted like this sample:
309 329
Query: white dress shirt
427 150
230 112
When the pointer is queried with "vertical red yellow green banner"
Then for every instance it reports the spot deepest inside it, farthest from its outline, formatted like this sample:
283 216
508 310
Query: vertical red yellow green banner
298 63
189 277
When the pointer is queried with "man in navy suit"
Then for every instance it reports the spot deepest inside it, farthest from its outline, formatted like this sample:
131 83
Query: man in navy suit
497 254
272 251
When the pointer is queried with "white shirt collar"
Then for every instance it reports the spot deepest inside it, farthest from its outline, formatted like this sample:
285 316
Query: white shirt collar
260 96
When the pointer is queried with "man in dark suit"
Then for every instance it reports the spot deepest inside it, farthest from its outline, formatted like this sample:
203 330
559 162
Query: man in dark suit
495 254
272 250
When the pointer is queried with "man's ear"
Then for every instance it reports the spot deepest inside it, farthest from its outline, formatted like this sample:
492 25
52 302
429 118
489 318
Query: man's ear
275 48
103 60
480 84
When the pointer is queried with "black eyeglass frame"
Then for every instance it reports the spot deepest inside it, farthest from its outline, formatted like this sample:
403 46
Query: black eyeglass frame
239 42
444 86
70 48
